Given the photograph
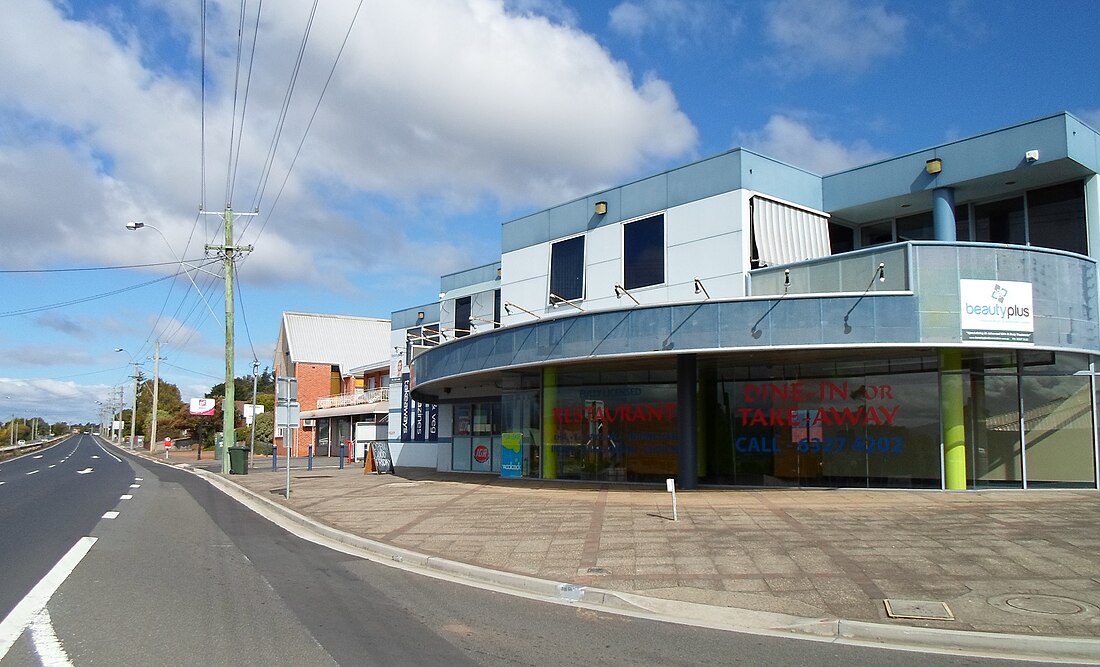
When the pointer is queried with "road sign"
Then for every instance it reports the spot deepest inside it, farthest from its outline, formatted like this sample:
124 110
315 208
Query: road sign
286 402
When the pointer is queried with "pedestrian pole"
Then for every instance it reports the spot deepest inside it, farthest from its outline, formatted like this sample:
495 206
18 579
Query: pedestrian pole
670 484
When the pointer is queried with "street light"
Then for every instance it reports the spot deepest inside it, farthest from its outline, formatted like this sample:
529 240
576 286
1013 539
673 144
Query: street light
133 408
134 226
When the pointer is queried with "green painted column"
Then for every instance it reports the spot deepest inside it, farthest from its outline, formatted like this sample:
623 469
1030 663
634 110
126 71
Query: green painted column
549 426
952 399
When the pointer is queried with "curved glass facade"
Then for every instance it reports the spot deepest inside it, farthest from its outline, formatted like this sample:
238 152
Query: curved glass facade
865 419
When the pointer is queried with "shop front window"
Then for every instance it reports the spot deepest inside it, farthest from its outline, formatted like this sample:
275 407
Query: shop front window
1058 422
823 425
476 442
600 428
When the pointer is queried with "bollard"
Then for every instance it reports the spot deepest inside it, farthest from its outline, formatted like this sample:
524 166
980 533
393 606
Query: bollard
309 465
341 456
274 458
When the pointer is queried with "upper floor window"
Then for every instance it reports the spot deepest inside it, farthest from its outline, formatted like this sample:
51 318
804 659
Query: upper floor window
644 252
567 268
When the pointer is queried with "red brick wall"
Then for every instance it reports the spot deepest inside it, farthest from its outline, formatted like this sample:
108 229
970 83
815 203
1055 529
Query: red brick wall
313 383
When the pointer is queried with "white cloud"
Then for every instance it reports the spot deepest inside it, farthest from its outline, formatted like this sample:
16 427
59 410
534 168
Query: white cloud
679 22
839 35
461 102
794 142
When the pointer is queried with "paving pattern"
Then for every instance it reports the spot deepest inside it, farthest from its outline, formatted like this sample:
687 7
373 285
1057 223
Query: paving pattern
1022 562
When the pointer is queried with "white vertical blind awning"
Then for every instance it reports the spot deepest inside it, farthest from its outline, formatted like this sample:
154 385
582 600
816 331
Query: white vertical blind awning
786 234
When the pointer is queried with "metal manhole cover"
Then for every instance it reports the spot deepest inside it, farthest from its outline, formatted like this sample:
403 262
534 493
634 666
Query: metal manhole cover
921 610
597 570
1051 605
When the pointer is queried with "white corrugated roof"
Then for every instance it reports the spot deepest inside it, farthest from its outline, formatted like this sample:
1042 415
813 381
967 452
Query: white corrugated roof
344 340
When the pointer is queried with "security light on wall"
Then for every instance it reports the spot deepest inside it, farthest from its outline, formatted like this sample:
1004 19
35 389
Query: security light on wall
701 289
1032 156
420 315
934 166
509 307
556 301
601 208
620 291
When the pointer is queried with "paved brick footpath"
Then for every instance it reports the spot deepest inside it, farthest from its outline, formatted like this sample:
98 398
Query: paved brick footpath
1022 562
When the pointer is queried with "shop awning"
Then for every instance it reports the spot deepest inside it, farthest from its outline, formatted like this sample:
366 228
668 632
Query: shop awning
785 234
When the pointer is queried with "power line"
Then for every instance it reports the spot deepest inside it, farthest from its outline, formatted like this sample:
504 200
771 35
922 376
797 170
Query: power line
309 125
98 268
269 162
38 309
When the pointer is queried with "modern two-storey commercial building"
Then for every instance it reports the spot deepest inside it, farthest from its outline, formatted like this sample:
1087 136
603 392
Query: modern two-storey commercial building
927 321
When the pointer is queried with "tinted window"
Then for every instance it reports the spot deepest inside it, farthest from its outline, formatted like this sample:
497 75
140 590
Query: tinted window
644 252
1000 222
1056 217
567 268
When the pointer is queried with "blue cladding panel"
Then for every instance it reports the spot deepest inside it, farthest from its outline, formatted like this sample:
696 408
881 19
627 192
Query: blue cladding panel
569 219
403 319
976 157
643 197
531 230
705 179
474 276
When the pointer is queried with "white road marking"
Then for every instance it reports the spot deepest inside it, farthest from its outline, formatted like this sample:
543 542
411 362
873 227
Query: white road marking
23 614
138 479
46 644
135 486
33 472
37 457
126 496
85 471
94 456
110 515
2 483
53 465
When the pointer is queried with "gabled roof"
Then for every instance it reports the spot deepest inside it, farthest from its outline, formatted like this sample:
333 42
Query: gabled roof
343 340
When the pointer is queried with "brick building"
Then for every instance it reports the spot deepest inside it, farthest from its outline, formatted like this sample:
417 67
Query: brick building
342 365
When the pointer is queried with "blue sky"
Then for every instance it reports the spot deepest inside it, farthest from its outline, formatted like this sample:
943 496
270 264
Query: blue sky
441 120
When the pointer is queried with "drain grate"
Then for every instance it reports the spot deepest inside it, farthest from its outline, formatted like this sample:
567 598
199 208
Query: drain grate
597 570
921 610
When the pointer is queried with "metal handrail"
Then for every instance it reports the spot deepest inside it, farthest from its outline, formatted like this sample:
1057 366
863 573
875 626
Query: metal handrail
358 397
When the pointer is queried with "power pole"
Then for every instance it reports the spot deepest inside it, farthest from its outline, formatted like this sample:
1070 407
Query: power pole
156 392
228 406
133 410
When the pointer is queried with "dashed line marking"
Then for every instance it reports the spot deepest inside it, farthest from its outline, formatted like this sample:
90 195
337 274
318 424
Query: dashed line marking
28 608
135 486
111 515
33 472
125 496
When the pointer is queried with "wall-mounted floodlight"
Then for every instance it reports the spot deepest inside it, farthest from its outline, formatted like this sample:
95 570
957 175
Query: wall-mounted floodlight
701 289
879 275
556 301
1032 155
508 307
933 166
620 291
420 315
601 208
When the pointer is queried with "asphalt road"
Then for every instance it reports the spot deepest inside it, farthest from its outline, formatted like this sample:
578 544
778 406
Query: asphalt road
186 576
47 504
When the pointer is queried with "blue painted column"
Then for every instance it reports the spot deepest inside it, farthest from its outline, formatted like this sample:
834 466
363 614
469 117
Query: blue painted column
686 381
943 214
